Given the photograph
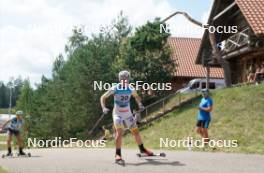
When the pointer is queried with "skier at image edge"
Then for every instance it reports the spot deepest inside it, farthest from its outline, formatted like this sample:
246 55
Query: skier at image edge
14 127
122 114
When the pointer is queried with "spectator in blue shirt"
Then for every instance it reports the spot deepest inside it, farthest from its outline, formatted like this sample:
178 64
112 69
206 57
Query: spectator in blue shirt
204 115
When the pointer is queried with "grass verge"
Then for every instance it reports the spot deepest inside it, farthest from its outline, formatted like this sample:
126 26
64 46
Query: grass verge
2 170
237 115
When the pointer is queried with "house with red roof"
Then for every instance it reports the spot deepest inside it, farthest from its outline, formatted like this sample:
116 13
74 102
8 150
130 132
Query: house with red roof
243 50
184 52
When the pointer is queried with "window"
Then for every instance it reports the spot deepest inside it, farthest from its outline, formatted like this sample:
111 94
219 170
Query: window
203 85
211 85
195 85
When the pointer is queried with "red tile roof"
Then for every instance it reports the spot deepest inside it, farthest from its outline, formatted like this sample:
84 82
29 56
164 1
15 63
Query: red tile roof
253 10
184 53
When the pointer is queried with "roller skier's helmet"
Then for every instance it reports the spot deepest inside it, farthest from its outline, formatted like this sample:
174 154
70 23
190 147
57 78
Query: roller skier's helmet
124 75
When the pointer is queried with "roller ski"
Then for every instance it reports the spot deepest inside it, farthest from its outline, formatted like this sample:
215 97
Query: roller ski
23 154
119 160
7 155
148 153
10 155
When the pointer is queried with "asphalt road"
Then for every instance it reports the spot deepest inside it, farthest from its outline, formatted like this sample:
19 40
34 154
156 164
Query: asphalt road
102 160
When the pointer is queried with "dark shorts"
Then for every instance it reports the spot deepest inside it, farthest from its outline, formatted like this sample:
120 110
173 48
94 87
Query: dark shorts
13 132
203 123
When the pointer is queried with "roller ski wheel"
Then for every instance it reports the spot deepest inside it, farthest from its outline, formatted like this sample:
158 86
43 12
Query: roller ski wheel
7 155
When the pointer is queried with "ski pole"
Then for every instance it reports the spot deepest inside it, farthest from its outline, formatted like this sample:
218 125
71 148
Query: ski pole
96 124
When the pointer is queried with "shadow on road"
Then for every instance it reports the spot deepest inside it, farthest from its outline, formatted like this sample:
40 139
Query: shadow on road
21 157
157 162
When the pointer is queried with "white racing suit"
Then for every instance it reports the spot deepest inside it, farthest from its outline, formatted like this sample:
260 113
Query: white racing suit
122 115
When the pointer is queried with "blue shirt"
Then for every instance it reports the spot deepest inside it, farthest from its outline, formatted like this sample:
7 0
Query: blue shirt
122 95
15 124
205 103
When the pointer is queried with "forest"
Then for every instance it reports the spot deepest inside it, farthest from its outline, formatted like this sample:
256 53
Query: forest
66 105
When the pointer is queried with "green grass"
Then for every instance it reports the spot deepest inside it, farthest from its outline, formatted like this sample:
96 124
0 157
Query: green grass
2 139
170 102
238 114
2 170
5 110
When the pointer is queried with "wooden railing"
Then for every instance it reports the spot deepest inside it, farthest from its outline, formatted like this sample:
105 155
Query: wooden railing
235 41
